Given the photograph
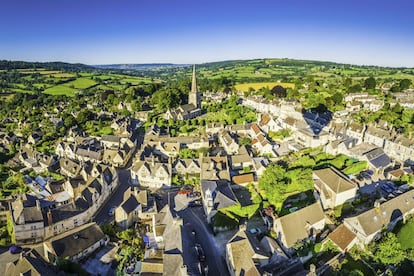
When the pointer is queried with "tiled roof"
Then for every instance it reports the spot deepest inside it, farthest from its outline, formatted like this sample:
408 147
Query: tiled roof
342 237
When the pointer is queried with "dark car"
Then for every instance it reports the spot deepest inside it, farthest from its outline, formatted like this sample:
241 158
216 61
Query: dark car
386 188
200 253
157 196
14 249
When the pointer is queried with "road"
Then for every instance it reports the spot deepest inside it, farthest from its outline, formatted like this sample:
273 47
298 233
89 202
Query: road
115 199
194 219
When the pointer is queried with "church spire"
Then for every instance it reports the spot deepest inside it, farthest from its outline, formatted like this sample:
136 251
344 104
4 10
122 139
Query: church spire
194 81
194 96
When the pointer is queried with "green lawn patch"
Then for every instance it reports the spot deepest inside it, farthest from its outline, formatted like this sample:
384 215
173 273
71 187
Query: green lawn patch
356 168
225 220
350 264
406 235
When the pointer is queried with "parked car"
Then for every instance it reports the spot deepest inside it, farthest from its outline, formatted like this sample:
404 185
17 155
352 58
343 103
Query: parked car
14 249
370 172
386 188
255 230
157 196
200 253
112 211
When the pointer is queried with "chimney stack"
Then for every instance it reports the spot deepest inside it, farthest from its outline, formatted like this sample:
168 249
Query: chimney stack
49 218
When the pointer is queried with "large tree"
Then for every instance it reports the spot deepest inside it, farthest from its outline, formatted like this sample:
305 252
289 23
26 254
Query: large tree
279 91
370 83
389 250
405 84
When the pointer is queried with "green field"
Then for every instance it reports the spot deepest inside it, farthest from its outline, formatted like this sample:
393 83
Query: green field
80 83
61 90
258 85
62 75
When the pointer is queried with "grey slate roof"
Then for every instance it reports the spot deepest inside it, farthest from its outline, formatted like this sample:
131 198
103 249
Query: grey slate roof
77 240
30 264
130 204
222 194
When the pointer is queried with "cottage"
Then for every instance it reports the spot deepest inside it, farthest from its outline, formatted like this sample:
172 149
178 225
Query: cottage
135 206
267 123
400 148
368 225
245 255
151 174
311 137
356 130
27 219
334 188
186 166
216 195
167 259
75 244
30 263
69 167
300 225
215 168
377 136
228 142
343 238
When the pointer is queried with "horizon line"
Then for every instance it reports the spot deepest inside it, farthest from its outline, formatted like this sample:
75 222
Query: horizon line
212 61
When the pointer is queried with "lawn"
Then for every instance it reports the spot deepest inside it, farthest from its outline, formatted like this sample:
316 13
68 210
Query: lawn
258 85
61 90
406 235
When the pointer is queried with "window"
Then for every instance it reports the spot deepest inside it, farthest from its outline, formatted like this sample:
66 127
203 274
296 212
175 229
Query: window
34 234
33 227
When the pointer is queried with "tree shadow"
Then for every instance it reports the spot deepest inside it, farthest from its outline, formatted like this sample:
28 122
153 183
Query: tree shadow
317 118
297 201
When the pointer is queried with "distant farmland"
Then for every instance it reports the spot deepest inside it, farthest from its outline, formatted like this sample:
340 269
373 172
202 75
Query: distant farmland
61 90
258 85
81 83
69 88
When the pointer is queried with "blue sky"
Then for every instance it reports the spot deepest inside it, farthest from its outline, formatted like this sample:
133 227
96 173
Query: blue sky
197 31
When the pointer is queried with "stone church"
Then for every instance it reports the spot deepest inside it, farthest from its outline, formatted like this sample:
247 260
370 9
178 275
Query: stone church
190 110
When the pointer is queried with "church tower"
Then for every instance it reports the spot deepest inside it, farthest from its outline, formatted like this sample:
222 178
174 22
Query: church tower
194 95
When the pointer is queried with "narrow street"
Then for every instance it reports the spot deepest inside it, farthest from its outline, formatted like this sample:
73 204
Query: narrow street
115 199
193 218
